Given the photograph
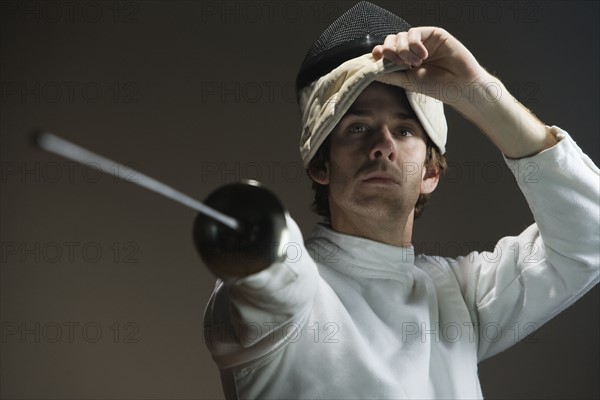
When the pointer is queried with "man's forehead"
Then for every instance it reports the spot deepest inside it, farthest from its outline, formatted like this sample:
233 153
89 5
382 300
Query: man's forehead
379 96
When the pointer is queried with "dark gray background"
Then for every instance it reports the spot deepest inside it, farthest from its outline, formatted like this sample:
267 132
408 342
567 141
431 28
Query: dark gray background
102 292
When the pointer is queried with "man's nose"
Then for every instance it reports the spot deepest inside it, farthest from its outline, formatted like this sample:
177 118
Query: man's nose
383 145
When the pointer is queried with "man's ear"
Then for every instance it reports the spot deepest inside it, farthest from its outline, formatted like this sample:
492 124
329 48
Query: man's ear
321 176
431 178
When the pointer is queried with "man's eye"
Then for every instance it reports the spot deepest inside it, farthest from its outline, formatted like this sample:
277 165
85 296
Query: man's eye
357 129
404 132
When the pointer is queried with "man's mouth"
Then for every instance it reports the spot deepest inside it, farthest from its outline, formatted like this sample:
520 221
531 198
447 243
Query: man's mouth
380 177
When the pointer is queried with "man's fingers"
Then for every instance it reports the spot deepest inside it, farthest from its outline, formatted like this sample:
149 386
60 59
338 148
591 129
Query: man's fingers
402 48
406 47
395 49
404 51
389 49
415 43
377 52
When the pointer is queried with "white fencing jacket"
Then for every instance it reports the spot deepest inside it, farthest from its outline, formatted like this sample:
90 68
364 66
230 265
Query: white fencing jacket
345 317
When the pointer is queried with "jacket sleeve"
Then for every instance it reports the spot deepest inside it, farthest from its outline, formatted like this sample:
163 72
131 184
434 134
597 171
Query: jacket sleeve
250 318
530 278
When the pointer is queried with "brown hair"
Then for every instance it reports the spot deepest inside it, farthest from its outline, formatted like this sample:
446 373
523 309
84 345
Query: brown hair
318 165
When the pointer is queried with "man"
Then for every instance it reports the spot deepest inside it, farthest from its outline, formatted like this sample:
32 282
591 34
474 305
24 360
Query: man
355 313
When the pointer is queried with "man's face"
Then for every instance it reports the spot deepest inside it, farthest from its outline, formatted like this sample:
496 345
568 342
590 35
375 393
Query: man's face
377 156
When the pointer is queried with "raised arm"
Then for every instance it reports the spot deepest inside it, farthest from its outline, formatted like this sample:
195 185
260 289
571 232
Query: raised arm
438 60
531 277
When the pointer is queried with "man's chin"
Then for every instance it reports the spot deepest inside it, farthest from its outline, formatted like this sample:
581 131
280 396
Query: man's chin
379 206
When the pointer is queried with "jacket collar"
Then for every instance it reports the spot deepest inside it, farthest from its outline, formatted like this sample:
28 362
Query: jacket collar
360 257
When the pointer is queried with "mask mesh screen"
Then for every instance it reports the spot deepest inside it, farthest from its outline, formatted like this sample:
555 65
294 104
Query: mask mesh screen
353 34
